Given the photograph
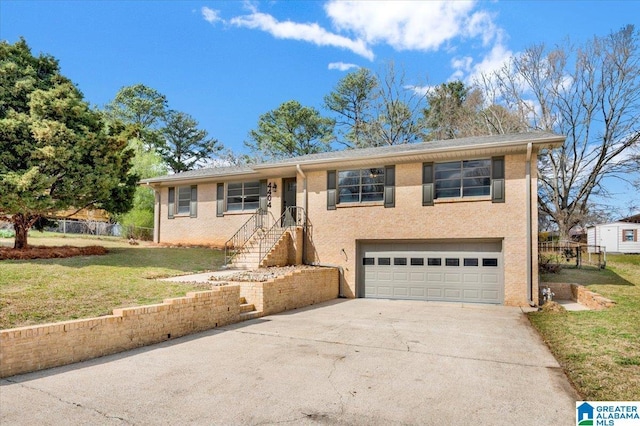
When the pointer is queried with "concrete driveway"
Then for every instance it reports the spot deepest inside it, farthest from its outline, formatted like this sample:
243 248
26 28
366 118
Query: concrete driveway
342 362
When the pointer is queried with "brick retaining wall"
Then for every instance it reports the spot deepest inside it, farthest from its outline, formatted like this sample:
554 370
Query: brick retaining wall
578 293
38 347
294 290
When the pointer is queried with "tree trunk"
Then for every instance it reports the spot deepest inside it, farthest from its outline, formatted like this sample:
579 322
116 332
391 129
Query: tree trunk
21 227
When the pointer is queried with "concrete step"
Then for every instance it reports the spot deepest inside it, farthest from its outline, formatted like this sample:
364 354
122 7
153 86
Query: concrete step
250 315
247 307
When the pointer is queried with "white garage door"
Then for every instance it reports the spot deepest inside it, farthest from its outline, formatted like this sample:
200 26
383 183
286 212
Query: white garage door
446 271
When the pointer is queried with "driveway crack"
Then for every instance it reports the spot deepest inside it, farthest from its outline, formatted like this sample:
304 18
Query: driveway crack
74 404
414 351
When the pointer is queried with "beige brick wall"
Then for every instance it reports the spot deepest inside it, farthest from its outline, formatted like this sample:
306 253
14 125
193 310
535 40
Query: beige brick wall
207 228
288 251
294 290
333 235
335 232
35 348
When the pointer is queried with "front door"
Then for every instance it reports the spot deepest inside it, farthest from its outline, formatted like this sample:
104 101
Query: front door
288 199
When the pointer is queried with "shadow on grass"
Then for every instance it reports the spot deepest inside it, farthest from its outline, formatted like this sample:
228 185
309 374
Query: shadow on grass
586 277
179 259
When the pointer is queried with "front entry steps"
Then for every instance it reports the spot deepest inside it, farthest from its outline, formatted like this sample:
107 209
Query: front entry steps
247 310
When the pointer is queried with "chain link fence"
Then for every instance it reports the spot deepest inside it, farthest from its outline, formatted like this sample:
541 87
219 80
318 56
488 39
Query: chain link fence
91 227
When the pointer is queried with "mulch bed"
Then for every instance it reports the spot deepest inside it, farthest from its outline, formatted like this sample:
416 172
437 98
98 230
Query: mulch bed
44 252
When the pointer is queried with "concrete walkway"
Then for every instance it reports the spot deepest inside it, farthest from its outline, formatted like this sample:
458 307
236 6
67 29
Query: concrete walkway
351 362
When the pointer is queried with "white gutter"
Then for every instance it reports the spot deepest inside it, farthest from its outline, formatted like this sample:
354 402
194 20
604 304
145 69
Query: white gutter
156 214
305 203
529 230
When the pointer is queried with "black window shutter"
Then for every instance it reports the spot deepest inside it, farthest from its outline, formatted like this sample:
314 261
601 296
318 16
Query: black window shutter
193 205
220 200
171 206
497 180
263 195
389 186
428 190
331 189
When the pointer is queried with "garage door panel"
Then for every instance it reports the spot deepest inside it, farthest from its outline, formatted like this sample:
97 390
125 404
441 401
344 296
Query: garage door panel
384 291
400 291
490 294
417 277
419 292
448 271
471 278
471 294
450 277
400 276
453 293
491 278
384 276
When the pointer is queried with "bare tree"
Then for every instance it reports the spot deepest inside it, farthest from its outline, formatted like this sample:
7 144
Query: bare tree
398 107
376 110
589 93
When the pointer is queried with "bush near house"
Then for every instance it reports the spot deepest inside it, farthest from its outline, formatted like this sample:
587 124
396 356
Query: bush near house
599 350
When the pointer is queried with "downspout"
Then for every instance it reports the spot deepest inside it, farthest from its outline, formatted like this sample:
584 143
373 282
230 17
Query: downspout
306 211
304 237
156 214
529 226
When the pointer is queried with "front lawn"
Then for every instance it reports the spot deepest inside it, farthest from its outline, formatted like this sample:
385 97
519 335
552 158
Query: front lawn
43 291
599 350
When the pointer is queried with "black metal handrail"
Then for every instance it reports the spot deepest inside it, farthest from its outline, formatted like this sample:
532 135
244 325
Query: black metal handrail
234 245
292 217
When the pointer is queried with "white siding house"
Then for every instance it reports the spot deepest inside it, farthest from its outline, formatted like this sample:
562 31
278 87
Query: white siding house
622 236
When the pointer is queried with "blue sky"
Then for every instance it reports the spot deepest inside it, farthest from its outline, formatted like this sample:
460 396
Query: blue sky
227 62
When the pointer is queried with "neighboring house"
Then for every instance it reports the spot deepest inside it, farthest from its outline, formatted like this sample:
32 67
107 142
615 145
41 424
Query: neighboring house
622 236
452 220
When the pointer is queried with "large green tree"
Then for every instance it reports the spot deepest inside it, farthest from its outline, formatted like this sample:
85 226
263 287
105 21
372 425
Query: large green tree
291 130
352 102
183 146
143 110
56 153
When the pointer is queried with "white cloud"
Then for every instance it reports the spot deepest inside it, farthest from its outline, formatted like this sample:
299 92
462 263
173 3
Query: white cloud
407 25
341 66
312 33
210 15
466 70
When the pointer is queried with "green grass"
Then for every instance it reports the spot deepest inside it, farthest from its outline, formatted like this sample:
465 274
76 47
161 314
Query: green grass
43 291
599 350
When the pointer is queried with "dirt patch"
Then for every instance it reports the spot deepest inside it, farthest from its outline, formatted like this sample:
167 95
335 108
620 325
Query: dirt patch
261 274
44 252
553 307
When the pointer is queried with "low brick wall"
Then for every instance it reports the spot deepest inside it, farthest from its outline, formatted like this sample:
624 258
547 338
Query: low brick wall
38 347
294 290
33 348
578 293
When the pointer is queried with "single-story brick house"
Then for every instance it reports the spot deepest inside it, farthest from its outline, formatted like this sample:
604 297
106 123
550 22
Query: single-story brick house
451 220
621 236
